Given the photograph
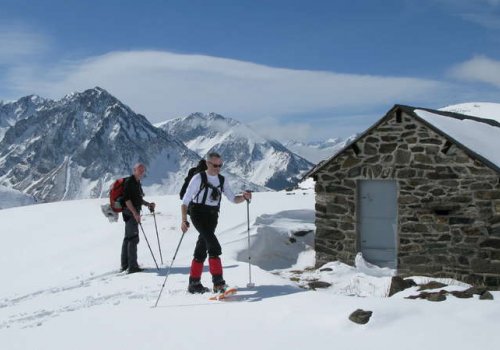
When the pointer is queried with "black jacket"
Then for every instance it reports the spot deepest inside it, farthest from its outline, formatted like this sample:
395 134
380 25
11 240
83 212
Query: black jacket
132 191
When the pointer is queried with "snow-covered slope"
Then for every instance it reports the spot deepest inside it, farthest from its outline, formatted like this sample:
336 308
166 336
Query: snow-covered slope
61 288
317 151
246 154
10 197
486 110
75 147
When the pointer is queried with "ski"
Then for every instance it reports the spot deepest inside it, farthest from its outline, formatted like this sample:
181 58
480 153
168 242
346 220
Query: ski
221 296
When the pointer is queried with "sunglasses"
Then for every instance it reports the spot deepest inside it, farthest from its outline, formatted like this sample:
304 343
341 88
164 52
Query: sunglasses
216 165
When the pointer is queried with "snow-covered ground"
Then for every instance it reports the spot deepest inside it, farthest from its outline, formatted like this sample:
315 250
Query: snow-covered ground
61 288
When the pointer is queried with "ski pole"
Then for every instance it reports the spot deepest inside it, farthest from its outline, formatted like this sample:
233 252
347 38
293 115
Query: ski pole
158 237
249 284
145 237
168 271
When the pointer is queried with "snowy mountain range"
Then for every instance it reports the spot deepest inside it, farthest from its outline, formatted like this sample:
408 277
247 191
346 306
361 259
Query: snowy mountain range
246 154
75 147
318 151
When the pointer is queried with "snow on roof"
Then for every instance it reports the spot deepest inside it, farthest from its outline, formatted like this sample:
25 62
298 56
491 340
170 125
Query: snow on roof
479 136
475 126
486 110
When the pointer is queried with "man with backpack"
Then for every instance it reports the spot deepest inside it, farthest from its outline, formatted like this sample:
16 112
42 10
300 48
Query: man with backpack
133 201
203 196
202 166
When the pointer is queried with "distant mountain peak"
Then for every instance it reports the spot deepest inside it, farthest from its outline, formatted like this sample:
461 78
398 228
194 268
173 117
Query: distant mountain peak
74 147
100 102
209 117
29 99
95 90
247 154
13 111
94 93
33 98
215 116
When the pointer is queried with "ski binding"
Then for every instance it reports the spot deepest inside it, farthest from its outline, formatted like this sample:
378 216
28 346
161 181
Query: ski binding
221 296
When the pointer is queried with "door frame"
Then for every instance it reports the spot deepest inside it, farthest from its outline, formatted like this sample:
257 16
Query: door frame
358 218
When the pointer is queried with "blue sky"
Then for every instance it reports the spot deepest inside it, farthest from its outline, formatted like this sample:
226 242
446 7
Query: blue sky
299 69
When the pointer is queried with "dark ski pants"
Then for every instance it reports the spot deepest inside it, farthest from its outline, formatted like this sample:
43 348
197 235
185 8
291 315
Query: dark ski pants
130 241
205 219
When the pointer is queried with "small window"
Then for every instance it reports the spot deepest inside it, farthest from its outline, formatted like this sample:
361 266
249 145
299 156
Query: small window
399 115
355 148
446 147
442 212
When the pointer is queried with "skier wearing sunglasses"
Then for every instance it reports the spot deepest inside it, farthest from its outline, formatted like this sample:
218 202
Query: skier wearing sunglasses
203 197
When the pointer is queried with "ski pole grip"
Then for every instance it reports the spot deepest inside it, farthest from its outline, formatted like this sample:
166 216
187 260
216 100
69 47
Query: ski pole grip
151 208
248 200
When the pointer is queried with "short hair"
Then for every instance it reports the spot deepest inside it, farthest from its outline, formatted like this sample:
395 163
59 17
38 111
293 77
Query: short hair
213 155
137 165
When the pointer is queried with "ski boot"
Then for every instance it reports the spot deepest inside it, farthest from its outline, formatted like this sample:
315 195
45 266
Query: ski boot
220 287
197 288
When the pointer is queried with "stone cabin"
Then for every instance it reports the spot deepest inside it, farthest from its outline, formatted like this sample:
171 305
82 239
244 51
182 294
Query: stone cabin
419 192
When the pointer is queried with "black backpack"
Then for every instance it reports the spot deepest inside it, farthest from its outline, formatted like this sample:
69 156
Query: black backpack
202 166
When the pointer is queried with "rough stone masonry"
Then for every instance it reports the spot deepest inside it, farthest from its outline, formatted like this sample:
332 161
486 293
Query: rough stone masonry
448 202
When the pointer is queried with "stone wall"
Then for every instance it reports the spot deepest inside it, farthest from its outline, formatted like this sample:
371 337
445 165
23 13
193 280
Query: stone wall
448 203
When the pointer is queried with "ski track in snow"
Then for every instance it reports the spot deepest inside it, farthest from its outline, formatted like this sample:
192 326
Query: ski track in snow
176 298
111 288
83 283
36 318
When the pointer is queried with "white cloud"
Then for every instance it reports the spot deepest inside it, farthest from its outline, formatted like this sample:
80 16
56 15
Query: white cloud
162 85
473 3
485 20
274 129
478 69
481 12
18 43
315 128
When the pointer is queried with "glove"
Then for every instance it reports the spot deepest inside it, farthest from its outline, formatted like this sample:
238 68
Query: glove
151 207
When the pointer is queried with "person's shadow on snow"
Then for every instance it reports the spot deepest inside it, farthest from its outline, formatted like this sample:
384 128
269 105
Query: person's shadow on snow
181 270
254 294
260 292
